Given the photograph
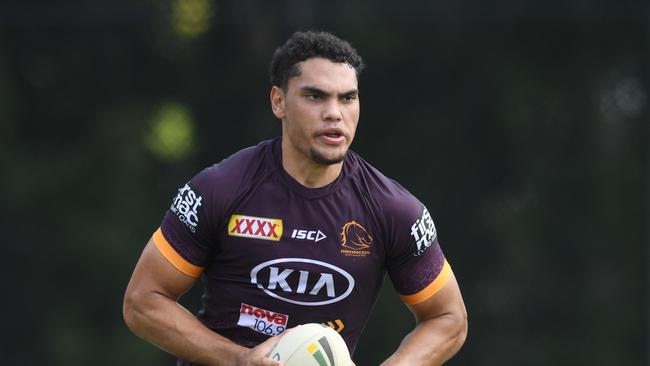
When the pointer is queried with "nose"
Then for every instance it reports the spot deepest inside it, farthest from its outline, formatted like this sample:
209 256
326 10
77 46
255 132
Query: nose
332 111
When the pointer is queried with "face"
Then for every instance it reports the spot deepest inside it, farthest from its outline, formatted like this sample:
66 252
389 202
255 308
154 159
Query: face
319 110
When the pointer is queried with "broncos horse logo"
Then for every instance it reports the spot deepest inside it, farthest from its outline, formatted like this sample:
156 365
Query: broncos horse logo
355 236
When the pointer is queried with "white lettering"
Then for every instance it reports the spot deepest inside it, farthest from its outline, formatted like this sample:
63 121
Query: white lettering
414 230
185 205
424 232
302 284
280 278
325 279
311 235
287 281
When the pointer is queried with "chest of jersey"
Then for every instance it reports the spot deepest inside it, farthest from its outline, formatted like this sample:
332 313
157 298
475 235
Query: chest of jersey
306 252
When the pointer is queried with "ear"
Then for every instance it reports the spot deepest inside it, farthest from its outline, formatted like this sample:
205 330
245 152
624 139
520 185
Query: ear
277 102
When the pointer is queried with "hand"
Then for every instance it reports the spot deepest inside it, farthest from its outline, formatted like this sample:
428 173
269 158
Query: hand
257 356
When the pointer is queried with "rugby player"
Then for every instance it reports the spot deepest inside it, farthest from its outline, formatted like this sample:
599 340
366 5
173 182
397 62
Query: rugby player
298 229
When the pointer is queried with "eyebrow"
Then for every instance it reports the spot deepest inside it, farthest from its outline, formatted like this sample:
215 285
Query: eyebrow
315 90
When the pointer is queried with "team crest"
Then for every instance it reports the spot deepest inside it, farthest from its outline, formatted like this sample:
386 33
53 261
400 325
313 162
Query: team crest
355 240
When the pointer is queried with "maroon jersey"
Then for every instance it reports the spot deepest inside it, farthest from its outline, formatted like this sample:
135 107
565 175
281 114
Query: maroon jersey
273 254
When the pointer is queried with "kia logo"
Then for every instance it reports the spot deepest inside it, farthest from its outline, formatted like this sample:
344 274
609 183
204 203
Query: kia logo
302 281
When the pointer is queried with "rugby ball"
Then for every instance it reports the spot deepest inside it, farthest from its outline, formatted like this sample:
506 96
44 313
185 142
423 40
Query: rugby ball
311 345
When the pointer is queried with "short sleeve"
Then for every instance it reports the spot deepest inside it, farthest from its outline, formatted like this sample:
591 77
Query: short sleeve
184 237
416 263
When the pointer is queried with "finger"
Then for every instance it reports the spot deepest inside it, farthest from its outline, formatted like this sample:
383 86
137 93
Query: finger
269 362
265 347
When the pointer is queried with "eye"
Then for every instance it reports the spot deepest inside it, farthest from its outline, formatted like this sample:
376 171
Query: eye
314 96
349 98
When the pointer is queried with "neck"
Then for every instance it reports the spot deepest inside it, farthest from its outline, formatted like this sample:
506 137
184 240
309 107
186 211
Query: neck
306 171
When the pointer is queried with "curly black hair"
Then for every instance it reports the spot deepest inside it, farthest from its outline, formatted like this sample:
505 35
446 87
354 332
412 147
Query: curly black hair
305 45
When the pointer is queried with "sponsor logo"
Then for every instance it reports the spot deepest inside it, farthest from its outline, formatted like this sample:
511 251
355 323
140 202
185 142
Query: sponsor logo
186 205
261 320
424 232
355 240
311 235
302 281
255 227
337 325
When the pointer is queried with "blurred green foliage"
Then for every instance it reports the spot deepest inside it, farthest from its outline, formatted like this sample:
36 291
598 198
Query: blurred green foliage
172 132
191 18
522 125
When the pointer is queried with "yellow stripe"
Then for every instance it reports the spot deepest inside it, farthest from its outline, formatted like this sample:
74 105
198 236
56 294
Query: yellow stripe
173 257
430 290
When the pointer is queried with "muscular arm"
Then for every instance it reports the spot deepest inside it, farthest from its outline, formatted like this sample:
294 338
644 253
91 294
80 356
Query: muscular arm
440 330
151 310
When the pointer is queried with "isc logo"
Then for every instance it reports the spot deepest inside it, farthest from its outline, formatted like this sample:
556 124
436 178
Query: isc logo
311 235
255 227
302 281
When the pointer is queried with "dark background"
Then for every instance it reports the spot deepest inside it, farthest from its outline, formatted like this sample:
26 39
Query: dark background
522 125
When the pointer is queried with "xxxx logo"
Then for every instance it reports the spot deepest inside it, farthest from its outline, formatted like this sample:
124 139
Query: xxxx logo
255 227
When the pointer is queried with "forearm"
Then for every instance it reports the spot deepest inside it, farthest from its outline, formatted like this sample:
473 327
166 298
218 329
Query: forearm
166 324
432 342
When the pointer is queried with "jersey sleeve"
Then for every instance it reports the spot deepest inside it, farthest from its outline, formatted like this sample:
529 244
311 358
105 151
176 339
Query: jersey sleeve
416 264
185 235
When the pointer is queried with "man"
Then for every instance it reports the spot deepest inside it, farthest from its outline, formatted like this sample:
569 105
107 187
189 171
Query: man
295 230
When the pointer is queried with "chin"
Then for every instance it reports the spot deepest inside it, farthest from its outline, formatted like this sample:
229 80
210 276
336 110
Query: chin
327 159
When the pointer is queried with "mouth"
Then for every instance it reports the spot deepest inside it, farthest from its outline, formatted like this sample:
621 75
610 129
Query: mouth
332 136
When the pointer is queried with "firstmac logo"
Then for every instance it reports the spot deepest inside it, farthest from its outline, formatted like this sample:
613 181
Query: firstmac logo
423 232
255 227
186 205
